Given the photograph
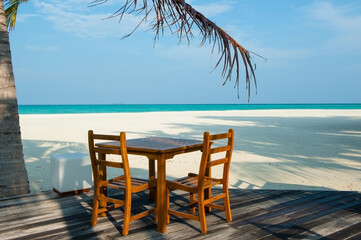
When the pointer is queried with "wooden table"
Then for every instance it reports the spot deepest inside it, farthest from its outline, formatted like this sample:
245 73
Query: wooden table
159 149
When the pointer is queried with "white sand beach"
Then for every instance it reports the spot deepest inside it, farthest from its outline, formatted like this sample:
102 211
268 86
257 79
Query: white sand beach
274 149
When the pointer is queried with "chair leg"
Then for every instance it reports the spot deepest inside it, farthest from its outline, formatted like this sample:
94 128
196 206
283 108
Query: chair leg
103 204
155 206
167 199
95 212
192 200
207 195
227 207
127 208
202 212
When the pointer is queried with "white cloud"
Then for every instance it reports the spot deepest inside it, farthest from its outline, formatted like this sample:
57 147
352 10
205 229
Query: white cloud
276 57
342 21
24 17
213 9
76 18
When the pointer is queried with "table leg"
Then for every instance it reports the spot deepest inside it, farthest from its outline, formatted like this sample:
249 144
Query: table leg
151 177
161 195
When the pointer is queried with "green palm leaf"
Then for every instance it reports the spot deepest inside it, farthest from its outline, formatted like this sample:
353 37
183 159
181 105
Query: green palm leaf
11 10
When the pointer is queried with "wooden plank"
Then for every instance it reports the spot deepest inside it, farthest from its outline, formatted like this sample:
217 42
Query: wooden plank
73 224
31 198
278 222
353 231
320 227
261 206
257 214
27 210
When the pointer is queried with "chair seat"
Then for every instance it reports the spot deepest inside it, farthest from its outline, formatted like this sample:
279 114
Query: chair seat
137 184
190 183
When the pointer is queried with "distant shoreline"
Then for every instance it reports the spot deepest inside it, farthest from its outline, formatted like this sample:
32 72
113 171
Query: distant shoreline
133 108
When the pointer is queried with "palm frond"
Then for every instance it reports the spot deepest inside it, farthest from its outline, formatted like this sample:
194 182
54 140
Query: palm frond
11 11
180 18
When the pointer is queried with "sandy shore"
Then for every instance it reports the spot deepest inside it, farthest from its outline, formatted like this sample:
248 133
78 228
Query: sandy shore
274 149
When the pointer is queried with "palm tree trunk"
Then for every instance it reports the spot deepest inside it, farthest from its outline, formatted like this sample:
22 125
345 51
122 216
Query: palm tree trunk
13 174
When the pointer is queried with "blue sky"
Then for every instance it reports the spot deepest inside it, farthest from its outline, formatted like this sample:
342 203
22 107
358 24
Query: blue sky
66 53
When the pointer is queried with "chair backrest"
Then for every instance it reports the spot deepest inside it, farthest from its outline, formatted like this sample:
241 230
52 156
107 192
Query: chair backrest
98 155
217 150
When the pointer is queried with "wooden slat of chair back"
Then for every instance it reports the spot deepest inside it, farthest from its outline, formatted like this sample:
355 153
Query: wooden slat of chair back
106 150
109 164
99 164
220 136
219 149
218 155
106 137
217 162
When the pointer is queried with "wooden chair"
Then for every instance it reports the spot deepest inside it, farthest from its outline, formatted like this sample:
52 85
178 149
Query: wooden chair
124 182
200 184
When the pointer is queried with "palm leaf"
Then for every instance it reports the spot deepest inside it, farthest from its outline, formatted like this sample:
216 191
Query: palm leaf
11 10
180 17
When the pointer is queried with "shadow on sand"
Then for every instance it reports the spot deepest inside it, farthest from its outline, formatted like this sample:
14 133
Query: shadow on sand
286 145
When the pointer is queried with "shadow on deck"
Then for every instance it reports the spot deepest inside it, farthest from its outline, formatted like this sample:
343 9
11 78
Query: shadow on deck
257 214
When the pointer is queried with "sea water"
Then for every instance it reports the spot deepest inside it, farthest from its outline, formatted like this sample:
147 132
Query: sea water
123 108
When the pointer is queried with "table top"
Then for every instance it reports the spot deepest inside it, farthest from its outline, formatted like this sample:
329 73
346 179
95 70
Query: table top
156 144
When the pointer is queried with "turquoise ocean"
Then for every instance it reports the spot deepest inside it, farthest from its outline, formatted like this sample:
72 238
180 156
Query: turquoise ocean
132 108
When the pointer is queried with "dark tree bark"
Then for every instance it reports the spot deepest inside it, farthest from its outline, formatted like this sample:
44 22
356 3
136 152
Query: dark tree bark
13 174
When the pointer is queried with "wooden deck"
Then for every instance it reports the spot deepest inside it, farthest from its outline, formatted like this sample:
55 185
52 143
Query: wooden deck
257 214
